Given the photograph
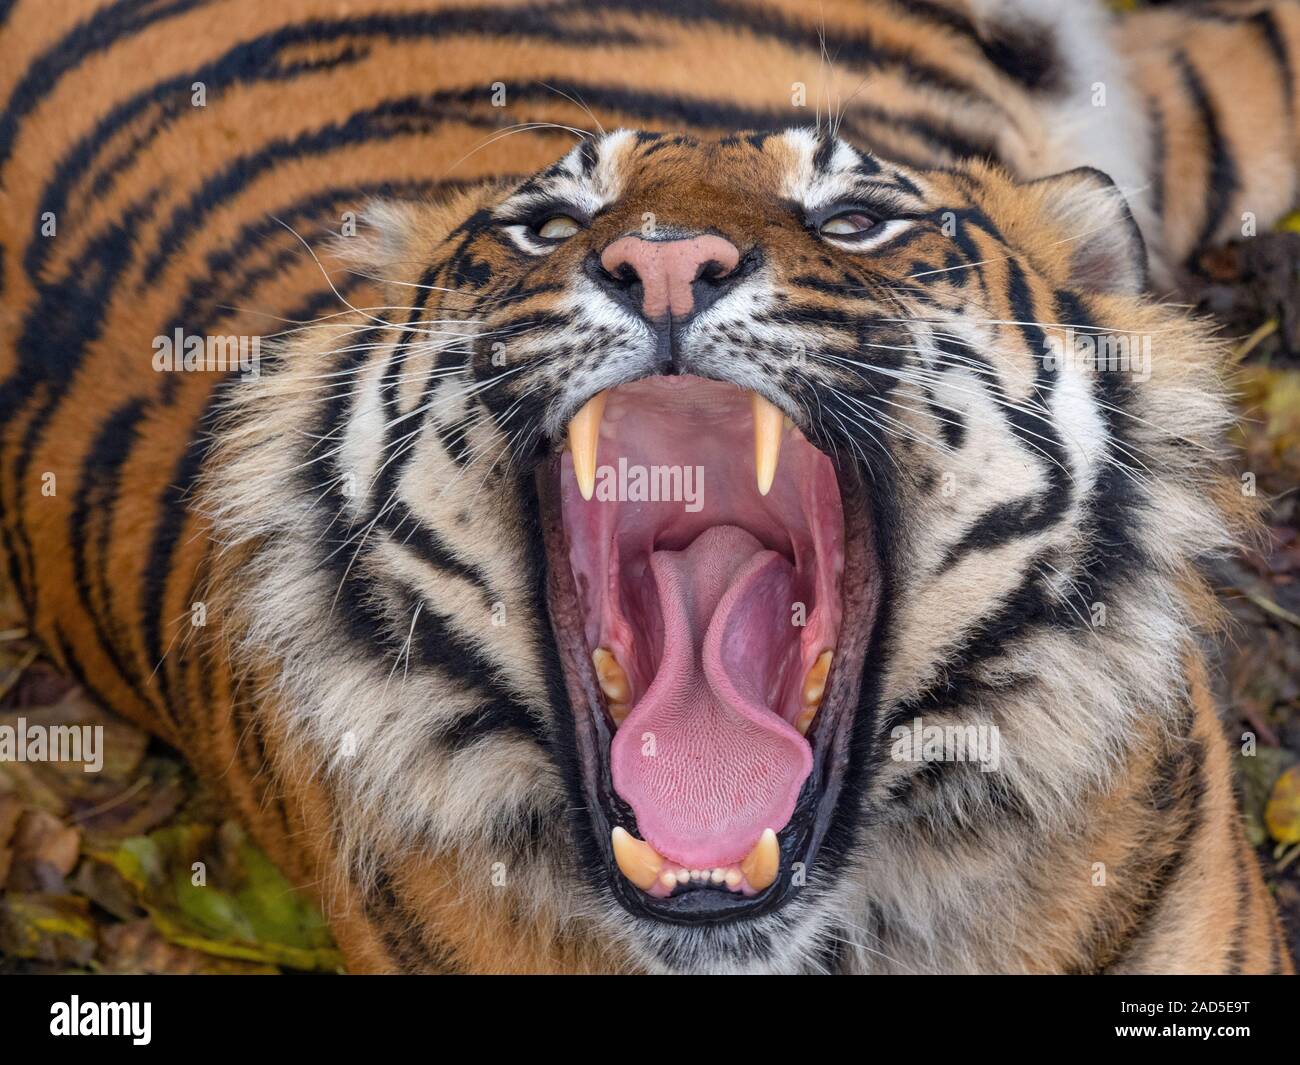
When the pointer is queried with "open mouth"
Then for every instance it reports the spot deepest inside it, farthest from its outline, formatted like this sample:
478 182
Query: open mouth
712 604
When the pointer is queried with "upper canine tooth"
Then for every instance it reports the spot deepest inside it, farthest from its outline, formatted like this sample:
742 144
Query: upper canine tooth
768 423
612 676
584 431
814 684
639 861
764 860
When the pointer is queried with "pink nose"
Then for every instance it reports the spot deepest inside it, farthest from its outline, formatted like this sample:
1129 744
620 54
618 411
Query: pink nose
667 269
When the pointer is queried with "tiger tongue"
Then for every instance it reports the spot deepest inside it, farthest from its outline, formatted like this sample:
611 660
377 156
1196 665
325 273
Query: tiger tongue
702 760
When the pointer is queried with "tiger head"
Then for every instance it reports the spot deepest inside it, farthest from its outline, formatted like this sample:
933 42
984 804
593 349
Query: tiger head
674 490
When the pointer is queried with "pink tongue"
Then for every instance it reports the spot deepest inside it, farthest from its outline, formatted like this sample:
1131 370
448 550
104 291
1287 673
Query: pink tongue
702 760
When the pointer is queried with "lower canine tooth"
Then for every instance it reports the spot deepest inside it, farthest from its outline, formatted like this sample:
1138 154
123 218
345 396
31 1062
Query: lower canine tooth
612 676
584 431
760 868
637 860
768 423
814 685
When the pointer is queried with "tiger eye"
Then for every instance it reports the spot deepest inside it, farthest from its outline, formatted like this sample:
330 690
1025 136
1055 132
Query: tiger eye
850 224
560 227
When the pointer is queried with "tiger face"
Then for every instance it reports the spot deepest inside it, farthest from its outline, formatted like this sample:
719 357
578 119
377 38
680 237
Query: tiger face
672 481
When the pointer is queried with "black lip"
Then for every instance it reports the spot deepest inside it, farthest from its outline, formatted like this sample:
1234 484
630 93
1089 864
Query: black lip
820 801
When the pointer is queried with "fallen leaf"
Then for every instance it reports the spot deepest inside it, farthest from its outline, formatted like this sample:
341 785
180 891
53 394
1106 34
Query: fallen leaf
44 852
106 888
137 947
122 747
132 809
1282 815
214 891
49 928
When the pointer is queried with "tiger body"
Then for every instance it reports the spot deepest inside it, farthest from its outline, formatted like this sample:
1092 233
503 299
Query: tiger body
324 585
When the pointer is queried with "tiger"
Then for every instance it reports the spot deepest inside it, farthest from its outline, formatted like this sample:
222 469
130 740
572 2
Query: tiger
655 486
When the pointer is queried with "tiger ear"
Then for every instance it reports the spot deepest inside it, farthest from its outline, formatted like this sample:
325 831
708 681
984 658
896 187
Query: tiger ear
1102 244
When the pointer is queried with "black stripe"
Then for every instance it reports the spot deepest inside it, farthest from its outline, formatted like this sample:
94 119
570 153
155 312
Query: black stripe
952 423
940 15
1177 791
1266 22
74 667
1020 518
587 156
1028 607
500 715
1274 942
385 488
1240 924
401 930
94 502
1159 157
1111 512
426 543
1222 183
1024 51
436 643
825 150
171 508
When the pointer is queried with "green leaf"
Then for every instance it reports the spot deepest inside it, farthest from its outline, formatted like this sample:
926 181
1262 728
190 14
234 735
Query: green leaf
241 906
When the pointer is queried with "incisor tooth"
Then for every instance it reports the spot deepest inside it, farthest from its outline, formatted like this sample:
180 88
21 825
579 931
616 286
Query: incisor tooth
612 676
639 861
584 432
768 424
764 860
814 685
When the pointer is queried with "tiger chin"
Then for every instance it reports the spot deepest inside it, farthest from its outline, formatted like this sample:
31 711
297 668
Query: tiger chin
601 587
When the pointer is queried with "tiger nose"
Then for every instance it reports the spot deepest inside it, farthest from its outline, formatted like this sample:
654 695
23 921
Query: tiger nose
676 278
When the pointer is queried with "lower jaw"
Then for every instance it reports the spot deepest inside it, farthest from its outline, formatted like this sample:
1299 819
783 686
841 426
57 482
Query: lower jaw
821 801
